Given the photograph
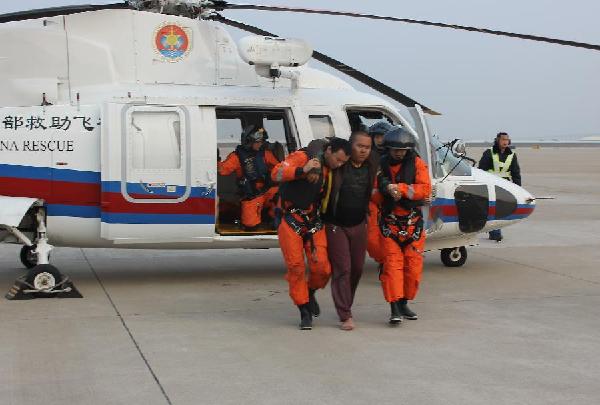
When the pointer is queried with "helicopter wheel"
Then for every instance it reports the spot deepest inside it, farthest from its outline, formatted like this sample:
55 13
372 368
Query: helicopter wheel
454 257
28 258
43 277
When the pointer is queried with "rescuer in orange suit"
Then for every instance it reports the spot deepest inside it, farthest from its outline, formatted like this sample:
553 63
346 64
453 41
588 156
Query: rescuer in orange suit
374 239
304 177
405 186
252 163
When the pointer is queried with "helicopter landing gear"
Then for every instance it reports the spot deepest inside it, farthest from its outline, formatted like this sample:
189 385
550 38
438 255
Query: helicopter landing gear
28 256
454 257
42 279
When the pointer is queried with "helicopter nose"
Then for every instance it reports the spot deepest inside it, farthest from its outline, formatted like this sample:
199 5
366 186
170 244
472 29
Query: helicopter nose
525 205
526 209
512 203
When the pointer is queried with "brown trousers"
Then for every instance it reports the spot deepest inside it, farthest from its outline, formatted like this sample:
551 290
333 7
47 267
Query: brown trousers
347 247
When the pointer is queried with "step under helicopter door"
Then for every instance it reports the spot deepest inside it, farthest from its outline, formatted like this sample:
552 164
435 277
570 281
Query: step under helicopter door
158 173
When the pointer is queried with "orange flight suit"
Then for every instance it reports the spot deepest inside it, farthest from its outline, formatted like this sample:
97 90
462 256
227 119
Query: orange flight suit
293 246
374 236
251 208
402 266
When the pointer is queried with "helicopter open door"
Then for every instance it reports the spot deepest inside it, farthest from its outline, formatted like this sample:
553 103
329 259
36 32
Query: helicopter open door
158 173
424 150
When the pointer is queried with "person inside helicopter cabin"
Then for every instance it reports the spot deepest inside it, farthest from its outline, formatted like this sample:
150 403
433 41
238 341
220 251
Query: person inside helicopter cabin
252 163
501 161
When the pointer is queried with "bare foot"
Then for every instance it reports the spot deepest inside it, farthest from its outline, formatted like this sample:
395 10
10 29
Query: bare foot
348 324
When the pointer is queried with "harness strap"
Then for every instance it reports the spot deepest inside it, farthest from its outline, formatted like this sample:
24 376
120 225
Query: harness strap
402 236
306 227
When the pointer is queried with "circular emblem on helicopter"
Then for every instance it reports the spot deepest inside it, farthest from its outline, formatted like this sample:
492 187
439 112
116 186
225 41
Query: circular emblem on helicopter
172 42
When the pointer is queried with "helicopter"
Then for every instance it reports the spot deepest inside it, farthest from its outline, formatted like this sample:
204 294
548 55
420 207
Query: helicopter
113 118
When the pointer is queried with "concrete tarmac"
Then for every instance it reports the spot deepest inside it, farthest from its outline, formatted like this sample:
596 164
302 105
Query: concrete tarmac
519 323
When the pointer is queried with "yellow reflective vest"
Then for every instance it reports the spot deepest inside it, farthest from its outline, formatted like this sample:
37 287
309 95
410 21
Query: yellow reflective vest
501 169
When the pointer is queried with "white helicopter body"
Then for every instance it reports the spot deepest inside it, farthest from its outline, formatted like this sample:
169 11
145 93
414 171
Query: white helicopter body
110 122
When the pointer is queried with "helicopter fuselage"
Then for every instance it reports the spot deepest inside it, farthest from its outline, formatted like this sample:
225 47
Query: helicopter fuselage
114 121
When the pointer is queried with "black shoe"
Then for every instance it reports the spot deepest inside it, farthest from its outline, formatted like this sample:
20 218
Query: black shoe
495 236
305 317
313 305
395 316
406 311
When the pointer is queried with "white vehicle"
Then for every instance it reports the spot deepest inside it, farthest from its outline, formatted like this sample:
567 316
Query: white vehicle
111 121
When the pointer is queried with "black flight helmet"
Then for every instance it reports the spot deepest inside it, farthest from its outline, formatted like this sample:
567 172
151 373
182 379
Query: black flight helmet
253 133
399 138
380 128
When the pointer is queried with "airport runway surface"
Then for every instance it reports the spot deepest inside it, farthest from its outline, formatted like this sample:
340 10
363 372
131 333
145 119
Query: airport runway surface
518 324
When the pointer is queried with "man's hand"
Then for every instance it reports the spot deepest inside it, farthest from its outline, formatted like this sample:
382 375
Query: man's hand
392 190
311 164
313 177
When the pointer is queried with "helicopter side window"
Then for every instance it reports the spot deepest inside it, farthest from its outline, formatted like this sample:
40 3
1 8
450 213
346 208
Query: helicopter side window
363 119
321 126
155 140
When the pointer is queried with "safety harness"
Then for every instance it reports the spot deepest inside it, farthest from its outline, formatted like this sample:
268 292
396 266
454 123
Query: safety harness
309 224
303 220
387 223
254 169
397 227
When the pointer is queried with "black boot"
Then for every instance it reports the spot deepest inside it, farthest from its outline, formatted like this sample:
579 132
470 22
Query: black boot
405 310
305 317
313 304
396 316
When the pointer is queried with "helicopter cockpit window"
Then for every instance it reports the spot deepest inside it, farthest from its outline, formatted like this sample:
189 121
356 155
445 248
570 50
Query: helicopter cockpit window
443 161
321 126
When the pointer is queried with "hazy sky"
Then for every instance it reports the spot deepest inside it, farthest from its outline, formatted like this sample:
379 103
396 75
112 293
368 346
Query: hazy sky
481 83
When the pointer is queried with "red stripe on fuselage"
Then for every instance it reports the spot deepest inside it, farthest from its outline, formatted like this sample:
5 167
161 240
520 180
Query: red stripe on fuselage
523 211
53 192
115 203
88 194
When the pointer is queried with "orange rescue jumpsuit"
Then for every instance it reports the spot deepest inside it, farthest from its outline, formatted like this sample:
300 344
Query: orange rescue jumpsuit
402 266
251 208
374 236
293 246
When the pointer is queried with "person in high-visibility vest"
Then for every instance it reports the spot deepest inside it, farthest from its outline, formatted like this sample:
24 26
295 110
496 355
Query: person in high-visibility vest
502 161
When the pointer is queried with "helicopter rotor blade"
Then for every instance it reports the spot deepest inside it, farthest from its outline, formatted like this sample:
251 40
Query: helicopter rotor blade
337 65
537 38
56 11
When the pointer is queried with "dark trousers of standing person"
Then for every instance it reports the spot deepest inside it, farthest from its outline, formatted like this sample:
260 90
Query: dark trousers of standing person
347 247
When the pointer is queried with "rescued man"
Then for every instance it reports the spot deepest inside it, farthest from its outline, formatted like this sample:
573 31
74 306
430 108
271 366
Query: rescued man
303 176
252 163
374 241
502 161
404 185
345 217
